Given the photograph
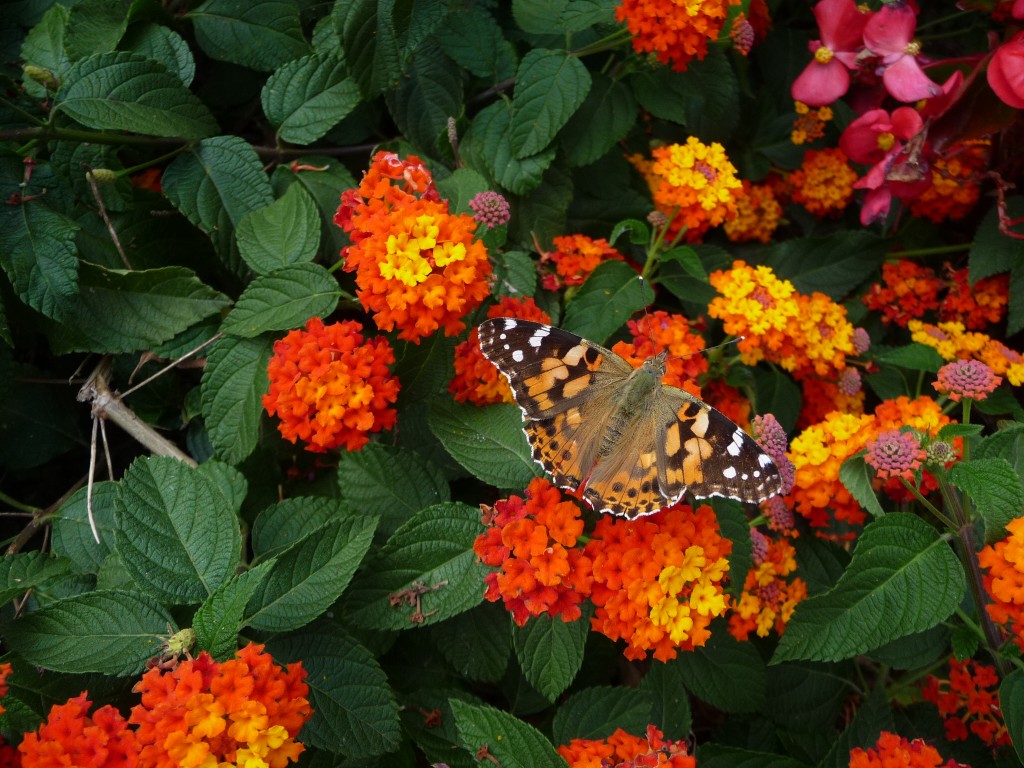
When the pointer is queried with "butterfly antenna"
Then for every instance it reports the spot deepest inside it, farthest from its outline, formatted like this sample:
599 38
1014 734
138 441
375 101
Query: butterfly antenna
643 286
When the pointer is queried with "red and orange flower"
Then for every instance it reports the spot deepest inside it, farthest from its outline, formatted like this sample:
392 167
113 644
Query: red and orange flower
624 750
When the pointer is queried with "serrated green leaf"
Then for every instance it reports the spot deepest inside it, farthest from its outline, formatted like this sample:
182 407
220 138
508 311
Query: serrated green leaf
424 369
307 97
949 431
96 26
735 526
804 699
639 231
393 483
550 652
1007 443
711 97
44 46
477 643
854 475
605 301
515 274
218 620
26 571
155 41
903 578
113 633
671 704
1011 701
834 265
605 117
473 39
259 34
995 488
369 43
285 298
429 93
595 713
711 755
309 576
72 535
914 651
542 215
439 741
873 716
725 673
486 147
539 17
355 709
430 560
916 357
176 532
121 310
37 423
234 381
128 92
820 563
215 184
38 253
964 642
993 252
550 87
510 741
462 186
281 525
283 233
777 394
489 442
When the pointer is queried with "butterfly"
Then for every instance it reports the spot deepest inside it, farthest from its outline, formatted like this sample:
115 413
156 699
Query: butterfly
633 444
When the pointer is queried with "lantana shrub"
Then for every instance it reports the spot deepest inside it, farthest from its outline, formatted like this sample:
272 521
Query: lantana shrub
267 503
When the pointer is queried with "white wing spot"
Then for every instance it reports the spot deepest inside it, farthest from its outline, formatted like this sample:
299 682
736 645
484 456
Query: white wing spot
510 323
729 473
538 337
518 355
764 460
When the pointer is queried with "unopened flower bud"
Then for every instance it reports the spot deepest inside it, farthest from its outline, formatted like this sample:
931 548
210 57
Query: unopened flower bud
43 76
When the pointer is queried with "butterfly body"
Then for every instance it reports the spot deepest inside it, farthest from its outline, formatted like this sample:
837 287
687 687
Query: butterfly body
633 444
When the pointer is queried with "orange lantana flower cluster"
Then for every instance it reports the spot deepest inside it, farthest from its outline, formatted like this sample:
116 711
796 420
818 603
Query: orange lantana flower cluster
968 702
1003 562
624 750
823 184
574 258
532 542
72 737
770 591
808 335
244 711
810 123
892 751
658 580
664 332
330 389
909 290
954 342
955 186
694 183
418 267
675 32
476 378
758 214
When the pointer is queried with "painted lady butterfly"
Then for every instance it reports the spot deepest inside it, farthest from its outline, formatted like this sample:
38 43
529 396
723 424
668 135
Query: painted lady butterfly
634 444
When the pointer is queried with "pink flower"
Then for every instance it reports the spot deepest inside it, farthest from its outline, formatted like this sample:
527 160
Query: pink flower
890 35
895 454
826 77
966 378
1006 70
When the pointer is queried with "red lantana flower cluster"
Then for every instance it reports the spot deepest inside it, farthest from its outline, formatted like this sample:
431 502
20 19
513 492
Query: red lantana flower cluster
574 257
624 750
892 751
329 387
968 702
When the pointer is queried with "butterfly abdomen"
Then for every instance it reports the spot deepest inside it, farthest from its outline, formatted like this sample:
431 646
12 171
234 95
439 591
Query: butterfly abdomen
636 400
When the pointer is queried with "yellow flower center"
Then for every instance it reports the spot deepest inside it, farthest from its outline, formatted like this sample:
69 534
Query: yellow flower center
913 48
885 141
823 55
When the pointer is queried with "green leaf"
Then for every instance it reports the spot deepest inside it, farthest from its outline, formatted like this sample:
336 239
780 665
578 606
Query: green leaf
96 26
873 716
215 184
511 742
259 34
218 620
429 93
234 382
283 233
489 442
1011 701
952 430
176 532
605 301
515 274
437 740
430 561
394 483
993 252
486 146
834 265
711 755
711 97
671 704
72 535
726 673
805 699
854 475
777 394
550 652
477 643
473 39
1007 443
605 117
127 92
38 253
550 87
112 633
462 186
281 525
166 46
44 46
122 310
25 571
307 97
355 709
916 357
1015 315
995 488
595 713
36 423
309 576
286 298
541 216
915 651
903 578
